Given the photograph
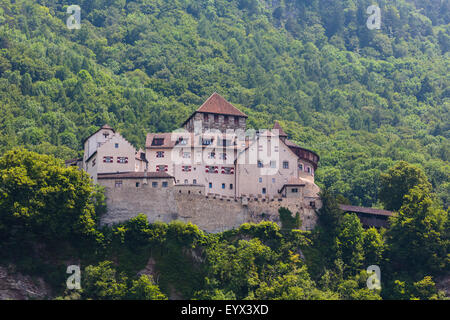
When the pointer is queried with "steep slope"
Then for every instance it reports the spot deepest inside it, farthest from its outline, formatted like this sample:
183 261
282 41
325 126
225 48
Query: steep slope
360 98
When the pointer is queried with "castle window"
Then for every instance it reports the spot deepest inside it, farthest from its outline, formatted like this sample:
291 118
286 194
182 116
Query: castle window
186 168
227 170
162 168
308 169
223 185
260 180
285 165
118 184
186 155
263 190
212 169
225 119
106 134
273 164
206 142
236 120
212 155
116 145
273 180
210 185
231 186
300 166
186 181
164 184
194 181
216 118
260 164
312 204
108 159
154 184
205 117
160 154
122 159
99 144
294 190
137 184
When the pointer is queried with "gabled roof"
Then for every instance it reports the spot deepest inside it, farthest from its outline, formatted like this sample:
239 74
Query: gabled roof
217 104
105 126
281 132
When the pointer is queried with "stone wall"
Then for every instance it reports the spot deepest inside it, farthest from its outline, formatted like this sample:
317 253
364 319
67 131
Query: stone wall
210 213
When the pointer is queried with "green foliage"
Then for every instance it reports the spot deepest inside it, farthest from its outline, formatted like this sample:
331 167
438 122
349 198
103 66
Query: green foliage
42 198
418 239
397 182
361 98
103 282
289 222
350 242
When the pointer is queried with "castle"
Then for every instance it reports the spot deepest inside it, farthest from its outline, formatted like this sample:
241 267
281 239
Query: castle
213 172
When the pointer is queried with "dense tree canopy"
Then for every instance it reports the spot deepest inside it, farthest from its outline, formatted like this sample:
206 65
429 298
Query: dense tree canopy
363 99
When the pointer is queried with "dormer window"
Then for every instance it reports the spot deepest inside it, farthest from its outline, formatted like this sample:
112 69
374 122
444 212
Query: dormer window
158 142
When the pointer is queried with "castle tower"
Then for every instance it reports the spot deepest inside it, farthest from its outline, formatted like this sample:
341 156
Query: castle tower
217 113
283 136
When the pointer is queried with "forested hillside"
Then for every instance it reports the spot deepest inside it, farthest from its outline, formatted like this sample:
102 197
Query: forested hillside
361 98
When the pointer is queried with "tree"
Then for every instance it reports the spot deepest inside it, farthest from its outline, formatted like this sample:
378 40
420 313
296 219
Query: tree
289 222
144 289
397 181
101 282
418 238
41 197
350 243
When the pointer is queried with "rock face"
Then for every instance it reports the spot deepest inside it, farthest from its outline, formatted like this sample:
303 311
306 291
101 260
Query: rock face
15 286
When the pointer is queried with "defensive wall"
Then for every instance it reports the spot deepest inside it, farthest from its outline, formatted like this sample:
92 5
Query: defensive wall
211 213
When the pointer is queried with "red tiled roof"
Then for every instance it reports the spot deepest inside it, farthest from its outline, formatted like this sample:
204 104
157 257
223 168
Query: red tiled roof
380 212
293 181
217 104
134 175
281 132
